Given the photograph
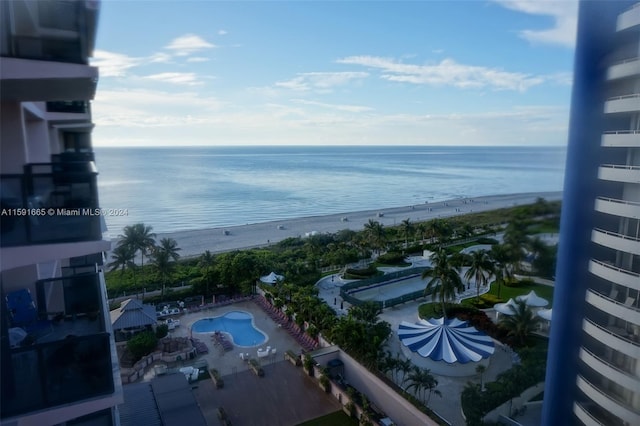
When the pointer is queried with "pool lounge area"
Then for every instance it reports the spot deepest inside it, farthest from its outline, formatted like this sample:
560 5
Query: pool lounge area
238 325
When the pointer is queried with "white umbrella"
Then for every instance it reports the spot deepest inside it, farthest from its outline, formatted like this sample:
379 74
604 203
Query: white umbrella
532 299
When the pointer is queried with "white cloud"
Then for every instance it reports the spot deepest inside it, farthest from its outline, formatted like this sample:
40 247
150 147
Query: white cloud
198 59
187 44
151 108
186 78
320 80
222 32
338 107
564 14
113 64
447 73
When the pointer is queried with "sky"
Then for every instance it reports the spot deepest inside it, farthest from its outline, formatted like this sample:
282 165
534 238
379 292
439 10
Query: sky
475 72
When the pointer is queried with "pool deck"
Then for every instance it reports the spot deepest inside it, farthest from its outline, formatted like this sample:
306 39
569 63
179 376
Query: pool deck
229 362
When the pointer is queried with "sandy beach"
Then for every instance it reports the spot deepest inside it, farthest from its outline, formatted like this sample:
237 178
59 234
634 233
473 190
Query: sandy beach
216 240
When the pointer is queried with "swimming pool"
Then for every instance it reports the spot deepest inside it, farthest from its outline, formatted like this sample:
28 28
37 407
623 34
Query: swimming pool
238 324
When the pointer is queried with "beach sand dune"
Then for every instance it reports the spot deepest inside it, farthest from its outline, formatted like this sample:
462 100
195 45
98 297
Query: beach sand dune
217 240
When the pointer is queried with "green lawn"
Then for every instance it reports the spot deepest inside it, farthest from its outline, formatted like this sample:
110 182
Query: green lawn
339 418
507 293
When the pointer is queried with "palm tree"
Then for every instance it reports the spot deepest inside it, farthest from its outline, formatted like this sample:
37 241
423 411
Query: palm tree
522 323
375 233
440 229
123 257
407 229
163 254
481 269
139 238
422 380
207 269
444 278
503 264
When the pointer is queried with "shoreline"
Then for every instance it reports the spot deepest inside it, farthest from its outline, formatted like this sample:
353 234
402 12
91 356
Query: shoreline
224 239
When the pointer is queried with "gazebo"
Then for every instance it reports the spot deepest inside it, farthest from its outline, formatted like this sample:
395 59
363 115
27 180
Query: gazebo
132 317
450 347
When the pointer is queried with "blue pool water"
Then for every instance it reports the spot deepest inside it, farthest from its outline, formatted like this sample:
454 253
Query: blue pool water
238 324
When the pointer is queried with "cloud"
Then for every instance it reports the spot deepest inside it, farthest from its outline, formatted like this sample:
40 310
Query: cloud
338 107
151 108
564 14
188 44
320 80
446 73
222 32
198 59
113 64
186 78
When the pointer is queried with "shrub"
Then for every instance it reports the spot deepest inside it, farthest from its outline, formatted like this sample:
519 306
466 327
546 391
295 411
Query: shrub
162 330
486 240
491 299
361 273
142 344
392 258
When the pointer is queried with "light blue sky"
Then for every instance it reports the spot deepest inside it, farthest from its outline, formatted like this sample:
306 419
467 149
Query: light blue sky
334 72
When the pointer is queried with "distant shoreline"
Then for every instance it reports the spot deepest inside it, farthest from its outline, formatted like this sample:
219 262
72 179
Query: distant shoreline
229 238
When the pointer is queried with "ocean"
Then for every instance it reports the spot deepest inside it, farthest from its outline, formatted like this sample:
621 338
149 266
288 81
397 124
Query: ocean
186 188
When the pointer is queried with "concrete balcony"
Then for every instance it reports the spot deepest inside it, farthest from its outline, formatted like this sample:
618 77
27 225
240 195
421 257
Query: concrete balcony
608 370
624 69
613 338
614 274
614 308
617 207
619 173
623 104
31 80
616 241
585 417
629 19
621 139
614 406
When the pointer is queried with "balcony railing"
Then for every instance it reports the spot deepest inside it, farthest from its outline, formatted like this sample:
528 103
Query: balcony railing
75 107
46 375
50 203
73 304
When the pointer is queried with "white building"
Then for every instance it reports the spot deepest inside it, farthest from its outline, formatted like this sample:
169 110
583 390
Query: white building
593 373
58 357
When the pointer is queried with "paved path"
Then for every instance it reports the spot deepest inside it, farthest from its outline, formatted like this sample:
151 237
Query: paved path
283 397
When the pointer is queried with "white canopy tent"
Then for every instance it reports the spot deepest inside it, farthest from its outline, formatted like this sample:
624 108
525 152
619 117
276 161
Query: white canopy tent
546 314
508 308
272 278
533 300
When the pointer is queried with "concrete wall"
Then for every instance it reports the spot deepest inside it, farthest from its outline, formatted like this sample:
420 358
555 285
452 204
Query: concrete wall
516 404
401 411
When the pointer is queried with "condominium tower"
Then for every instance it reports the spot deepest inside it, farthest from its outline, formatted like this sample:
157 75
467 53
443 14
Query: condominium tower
58 359
593 371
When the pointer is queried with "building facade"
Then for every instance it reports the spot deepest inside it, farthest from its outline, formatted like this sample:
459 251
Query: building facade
58 359
593 371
